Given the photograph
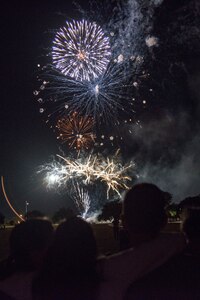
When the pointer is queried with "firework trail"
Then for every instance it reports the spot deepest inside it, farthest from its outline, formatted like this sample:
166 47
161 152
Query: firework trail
81 50
77 131
8 201
82 199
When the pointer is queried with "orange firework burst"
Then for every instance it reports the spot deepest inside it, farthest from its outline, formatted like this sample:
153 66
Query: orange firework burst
76 131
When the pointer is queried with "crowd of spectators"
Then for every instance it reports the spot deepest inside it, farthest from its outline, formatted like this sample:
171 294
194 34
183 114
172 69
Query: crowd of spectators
64 263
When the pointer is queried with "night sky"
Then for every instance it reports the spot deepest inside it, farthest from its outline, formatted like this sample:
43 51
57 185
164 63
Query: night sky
170 134
26 141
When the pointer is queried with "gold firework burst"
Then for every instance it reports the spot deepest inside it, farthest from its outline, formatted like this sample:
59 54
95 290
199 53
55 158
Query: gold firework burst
77 131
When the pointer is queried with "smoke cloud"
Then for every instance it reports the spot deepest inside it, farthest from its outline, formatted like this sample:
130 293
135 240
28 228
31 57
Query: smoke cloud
167 154
181 179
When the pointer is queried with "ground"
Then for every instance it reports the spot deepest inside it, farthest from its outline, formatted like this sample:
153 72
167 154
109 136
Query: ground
103 233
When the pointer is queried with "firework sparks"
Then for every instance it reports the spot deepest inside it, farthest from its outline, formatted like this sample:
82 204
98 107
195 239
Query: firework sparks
101 98
81 168
81 50
91 169
82 199
151 41
114 175
8 201
59 173
76 131
56 174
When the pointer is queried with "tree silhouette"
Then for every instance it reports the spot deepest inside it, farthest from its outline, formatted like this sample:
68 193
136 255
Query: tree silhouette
111 210
62 214
190 202
32 214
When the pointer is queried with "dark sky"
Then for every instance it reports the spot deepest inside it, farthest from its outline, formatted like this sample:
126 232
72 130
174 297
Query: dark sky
26 141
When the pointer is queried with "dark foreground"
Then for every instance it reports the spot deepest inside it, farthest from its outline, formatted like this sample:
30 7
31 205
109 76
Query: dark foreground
103 233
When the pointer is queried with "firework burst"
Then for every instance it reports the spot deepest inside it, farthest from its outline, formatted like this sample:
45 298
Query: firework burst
104 99
77 131
114 174
56 174
81 50
94 168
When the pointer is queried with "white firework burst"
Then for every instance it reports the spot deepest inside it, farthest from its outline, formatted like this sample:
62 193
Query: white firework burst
88 170
103 98
81 50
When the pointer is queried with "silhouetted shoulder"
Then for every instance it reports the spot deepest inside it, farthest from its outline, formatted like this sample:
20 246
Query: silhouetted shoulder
4 296
179 278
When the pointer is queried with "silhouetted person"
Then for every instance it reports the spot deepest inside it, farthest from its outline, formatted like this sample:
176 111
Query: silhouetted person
124 241
143 218
29 241
191 229
69 270
144 212
115 224
70 266
179 277
4 296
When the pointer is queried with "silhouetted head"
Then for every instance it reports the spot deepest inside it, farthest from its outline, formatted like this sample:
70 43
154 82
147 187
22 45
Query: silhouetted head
29 241
74 250
144 209
69 269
